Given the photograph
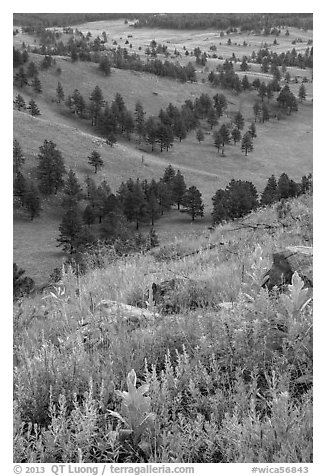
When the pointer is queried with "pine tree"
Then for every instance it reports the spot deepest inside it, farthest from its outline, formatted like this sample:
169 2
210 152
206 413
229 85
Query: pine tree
242 197
179 129
32 201
283 186
236 135
257 110
192 202
18 156
178 188
140 121
72 190
224 134
60 92
19 188
302 93
200 135
105 65
247 145
31 70
252 130
239 120
89 215
262 91
220 104
97 102
129 124
19 102
21 284
169 175
20 77
153 207
265 113
134 203
245 83
164 196
218 142
70 230
270 193
212 117
50 169
95 160
33 108
220 207
164 134
36 84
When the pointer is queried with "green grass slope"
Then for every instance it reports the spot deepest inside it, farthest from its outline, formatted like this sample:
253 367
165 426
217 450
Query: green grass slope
280 146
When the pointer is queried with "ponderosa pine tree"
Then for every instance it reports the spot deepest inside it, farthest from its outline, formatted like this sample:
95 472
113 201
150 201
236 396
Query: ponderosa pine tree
129 124
31 70
50 169
212 117
60 93
153 207
283 186
239 121
96 103
18 156
70 230
200 135
95 160
36 84
33 108
264 113
218 142
220 207
32 200
19 188
246 144
242 198
20 77
192 202
179 129
252 130
257 110
179 188
105 66
72 190
245 83
134 203
224 134
169 175
236 135
220 104
262 91
21 284
140 121
151 127
302 93
270 193
164 196
89 215
164 135
19 102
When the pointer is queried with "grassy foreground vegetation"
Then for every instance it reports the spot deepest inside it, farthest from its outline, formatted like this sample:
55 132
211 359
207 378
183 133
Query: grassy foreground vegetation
220 383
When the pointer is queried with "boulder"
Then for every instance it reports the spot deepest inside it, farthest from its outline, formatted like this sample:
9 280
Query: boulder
285 263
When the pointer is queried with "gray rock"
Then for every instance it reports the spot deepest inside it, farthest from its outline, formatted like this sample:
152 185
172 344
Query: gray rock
285 263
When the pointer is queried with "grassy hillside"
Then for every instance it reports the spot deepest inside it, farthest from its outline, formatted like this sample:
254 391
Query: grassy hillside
280 146
226 383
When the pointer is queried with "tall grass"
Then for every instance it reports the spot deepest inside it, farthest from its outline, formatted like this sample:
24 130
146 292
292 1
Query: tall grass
223 383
